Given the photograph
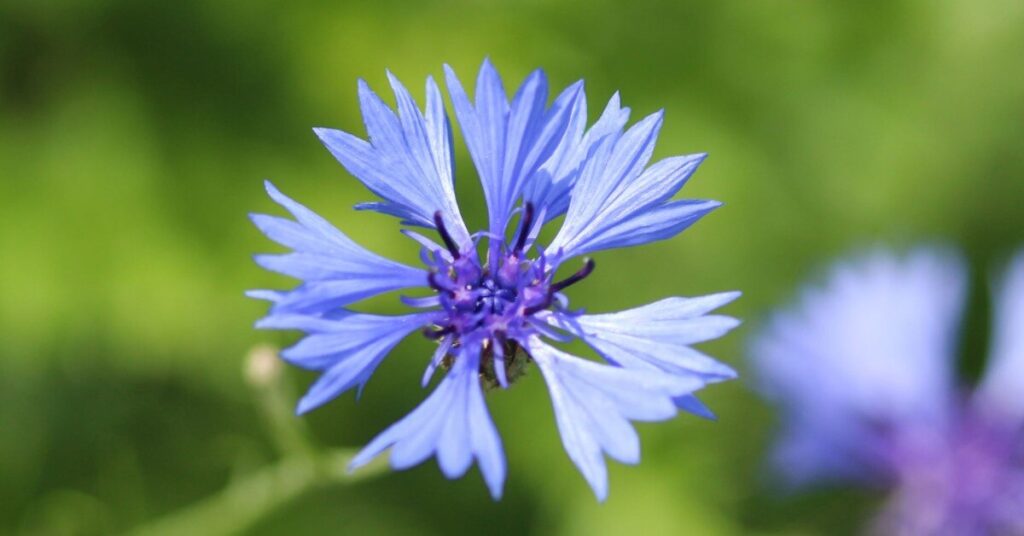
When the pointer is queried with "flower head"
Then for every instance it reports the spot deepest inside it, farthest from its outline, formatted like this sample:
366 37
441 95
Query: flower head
863 372
496 309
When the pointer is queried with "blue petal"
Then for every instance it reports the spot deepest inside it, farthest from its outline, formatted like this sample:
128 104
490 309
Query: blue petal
307 323
336 270
264 294
655 224
1002 387
509 142
443 347
692 404
347 349
616 203
874 344
321 296
329 266
483 126
408 160
550 187
658 335
452 423
390 210
594 403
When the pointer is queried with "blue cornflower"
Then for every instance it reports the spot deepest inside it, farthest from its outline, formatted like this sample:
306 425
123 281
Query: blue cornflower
494 311
863 370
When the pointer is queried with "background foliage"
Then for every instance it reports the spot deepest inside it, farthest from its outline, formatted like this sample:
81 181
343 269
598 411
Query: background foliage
134 137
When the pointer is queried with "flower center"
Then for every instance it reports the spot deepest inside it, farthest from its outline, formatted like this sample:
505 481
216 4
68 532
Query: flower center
478 299
494 298
493 303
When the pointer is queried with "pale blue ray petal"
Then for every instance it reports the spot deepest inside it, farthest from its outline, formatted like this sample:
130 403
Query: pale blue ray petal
548 135
647 225
656 184
454 455
294 235
408 160
658 335
316 232
617 161
524 120
630 154
382 124
593 403
452 424
382 175
419 436
265 294
616 203
676 319
633 352
550 187
414 437
508 142
336 270
417 138
439 135
485 442
580 444
391 209
308 323
610 429
347 370
325 267
317 297
640 394
692 404
483 125
347 347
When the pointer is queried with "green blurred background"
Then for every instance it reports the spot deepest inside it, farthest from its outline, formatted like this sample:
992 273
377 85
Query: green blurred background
134 138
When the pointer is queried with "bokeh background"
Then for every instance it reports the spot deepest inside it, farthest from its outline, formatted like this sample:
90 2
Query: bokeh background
134 138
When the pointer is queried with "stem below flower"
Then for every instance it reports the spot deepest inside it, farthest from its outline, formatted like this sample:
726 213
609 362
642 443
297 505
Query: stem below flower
248 499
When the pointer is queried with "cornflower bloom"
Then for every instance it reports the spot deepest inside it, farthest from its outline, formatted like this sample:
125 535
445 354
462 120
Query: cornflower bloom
863 371
495 310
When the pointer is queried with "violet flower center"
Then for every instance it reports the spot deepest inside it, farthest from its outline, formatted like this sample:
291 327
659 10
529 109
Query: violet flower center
491 303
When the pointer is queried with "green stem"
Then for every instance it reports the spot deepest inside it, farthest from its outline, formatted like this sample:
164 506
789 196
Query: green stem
247 500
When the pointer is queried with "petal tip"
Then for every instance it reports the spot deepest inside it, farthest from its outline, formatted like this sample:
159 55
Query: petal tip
302 408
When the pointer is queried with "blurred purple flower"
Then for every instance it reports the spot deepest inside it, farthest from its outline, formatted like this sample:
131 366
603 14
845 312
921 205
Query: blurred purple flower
863 372
490 314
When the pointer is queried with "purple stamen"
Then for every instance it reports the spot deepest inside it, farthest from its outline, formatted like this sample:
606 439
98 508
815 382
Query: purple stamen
524 228
574 278
536 308
441 284
448 242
